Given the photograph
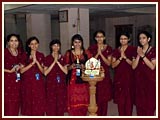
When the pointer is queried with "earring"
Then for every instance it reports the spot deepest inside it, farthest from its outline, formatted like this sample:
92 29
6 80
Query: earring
72 47
149 39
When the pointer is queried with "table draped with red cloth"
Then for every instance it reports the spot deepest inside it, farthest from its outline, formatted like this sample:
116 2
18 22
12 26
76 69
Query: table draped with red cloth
12 89
77 90
33 91
104 87
123 82
145 79
56 91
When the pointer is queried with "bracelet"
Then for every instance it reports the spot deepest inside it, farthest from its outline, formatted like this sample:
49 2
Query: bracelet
120 59
143 57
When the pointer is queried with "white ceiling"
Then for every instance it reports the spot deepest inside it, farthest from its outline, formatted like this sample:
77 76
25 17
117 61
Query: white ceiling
108 10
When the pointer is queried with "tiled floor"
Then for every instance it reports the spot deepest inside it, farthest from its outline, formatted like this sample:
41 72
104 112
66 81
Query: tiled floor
112 110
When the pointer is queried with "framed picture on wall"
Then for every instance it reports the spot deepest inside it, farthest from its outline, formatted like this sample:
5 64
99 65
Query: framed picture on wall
63 16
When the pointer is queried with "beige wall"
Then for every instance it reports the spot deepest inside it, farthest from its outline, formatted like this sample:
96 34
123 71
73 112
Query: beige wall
137 21
39 25
10 24
70 28
106 24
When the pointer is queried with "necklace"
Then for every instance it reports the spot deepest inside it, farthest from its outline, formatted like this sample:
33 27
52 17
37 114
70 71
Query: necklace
101 46
15 53
77 56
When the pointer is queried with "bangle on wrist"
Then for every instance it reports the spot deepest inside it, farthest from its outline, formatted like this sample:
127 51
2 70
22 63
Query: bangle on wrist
143 57
120 59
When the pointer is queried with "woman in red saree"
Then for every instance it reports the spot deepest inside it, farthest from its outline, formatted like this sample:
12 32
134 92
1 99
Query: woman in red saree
78 91
123 77
102 52
55 70
12 80
33 87
145 76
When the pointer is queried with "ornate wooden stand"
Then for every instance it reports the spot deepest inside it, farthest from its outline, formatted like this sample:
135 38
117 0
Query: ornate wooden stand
92 108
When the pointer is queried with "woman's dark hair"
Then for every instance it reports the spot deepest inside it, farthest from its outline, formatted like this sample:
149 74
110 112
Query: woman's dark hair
56 41
20 46
120 34
145 33
99 31
77 37
11 35
28 49
125 34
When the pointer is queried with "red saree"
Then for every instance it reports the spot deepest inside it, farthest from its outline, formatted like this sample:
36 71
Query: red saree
123 82
55 90
12 89
78 93
33 91
146 87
